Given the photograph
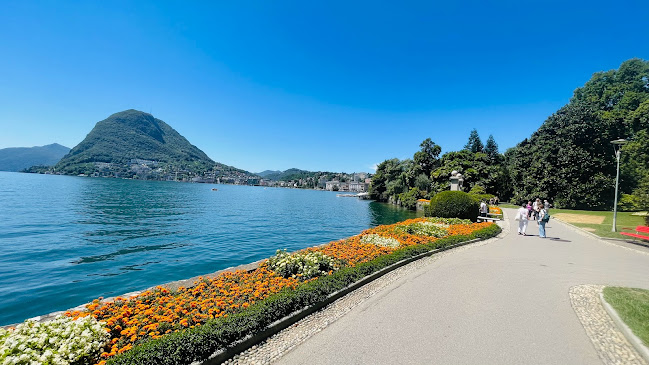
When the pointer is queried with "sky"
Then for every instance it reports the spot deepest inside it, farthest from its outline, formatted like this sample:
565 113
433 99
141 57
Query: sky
316 85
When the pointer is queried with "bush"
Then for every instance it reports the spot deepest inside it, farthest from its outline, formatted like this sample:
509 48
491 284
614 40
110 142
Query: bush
453 204
478 190
305 265
409 199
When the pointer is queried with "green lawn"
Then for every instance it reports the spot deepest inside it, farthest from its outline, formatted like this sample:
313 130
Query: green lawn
625 222
633 307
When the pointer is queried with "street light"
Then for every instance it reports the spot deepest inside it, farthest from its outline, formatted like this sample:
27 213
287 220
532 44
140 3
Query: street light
617 145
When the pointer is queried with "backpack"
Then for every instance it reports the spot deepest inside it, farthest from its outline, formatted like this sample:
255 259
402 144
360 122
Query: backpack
546 218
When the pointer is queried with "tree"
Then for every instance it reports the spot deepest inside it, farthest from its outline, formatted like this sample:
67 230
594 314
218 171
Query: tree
491 149
474 144
428 156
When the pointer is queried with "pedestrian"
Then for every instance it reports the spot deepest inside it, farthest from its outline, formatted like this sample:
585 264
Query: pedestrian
536 209
547 205
484 209
496 200
521 216
529 209
541 221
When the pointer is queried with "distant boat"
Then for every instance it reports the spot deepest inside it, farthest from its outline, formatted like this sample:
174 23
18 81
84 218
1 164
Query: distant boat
214 189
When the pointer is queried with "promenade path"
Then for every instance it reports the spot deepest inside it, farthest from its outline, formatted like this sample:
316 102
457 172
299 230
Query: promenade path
504 302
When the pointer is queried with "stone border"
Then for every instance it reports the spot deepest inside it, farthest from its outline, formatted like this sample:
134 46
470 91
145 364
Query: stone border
628 333
611 345
269 348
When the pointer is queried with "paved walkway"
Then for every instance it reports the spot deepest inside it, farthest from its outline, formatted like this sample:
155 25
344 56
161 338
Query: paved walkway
505 302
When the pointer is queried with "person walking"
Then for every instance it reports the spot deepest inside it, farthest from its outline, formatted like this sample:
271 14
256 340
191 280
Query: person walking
529 209
521 217
542 221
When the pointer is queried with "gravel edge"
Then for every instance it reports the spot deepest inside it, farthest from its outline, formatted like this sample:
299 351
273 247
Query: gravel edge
628 333
609 342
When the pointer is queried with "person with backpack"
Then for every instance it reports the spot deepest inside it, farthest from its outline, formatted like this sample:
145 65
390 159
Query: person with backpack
544 217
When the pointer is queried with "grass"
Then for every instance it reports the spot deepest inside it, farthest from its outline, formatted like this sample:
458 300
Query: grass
625 222
633 307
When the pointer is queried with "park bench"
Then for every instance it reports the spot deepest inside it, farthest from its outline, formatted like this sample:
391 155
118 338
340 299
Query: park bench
487 219
639 230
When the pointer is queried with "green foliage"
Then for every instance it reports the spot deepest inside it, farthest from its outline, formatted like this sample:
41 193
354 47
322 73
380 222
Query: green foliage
409 199
570 159
428 156
474 144
424 229
476 168
627 203
641 196
453 204
219 334
305 265
477 190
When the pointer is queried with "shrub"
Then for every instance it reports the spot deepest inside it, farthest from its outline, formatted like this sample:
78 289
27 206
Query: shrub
424 229
377 240
305 265
627 203
453 204
409 199
478 190
59 341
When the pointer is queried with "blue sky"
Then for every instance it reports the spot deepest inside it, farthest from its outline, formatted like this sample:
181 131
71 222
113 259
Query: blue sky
336 86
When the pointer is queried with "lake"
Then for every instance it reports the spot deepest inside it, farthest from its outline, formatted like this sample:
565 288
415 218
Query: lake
67 240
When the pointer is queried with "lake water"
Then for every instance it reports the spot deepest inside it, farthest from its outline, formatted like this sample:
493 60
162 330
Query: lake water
67 240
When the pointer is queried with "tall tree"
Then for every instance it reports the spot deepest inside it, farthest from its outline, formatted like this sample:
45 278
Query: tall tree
474 144
570 159
491 149
428 156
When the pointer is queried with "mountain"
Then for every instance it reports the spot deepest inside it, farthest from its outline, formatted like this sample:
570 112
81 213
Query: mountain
125 141
20 158
265 174
290 174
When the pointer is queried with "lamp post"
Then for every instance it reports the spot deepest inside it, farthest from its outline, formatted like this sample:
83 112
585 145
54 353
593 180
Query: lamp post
617 145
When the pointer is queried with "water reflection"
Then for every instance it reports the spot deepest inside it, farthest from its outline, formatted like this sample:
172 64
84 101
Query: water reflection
383 213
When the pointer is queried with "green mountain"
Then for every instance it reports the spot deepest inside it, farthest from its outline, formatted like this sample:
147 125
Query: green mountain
131 138
20 158
290 174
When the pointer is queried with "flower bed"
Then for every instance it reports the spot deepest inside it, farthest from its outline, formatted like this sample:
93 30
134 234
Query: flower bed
495 210
161 326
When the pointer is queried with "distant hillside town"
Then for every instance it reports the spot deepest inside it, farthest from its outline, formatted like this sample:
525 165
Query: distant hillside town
354 182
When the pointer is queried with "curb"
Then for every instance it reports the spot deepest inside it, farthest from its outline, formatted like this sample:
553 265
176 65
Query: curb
281 324
630 336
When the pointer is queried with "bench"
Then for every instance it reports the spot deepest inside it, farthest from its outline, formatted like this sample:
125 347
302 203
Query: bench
639 229
487 219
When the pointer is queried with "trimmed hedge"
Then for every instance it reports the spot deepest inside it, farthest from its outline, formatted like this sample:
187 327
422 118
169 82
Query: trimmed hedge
198 343
453 204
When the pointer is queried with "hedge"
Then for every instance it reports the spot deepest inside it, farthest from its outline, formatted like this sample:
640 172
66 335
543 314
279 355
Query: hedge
453 204
199 343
